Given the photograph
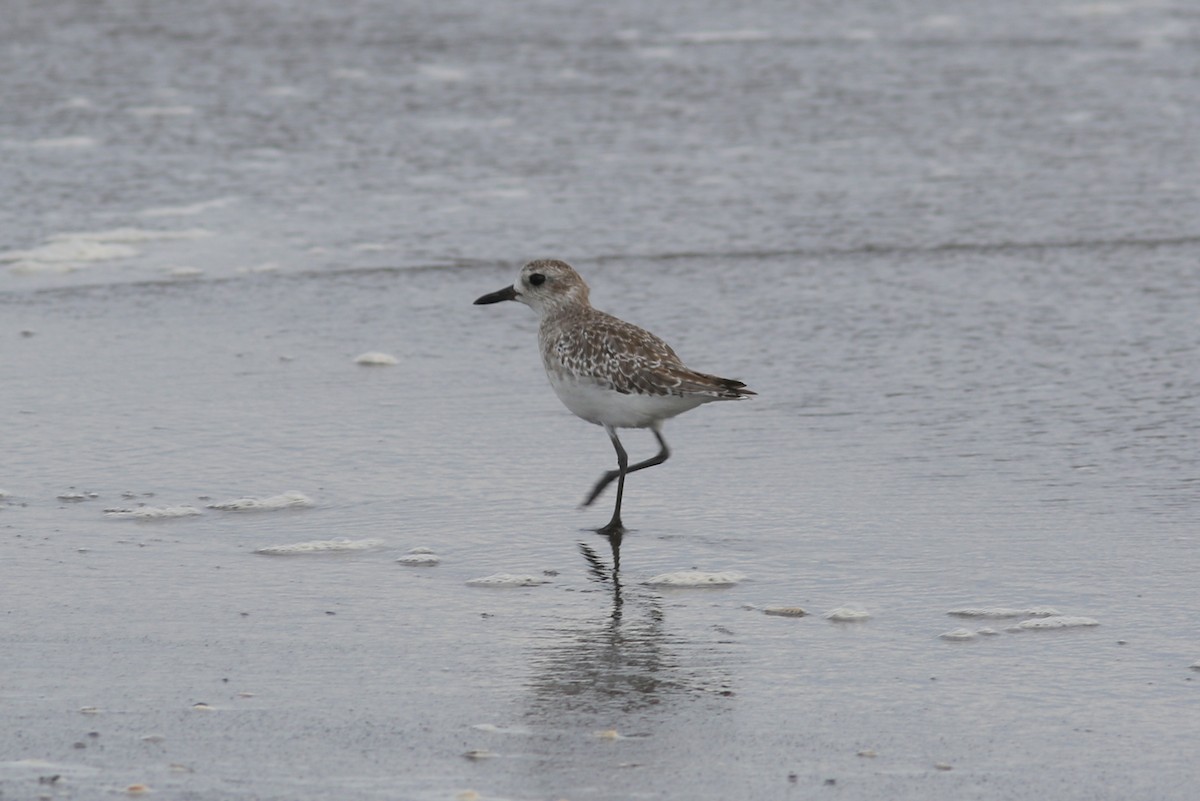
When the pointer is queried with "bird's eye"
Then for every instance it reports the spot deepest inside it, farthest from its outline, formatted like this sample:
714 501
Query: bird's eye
537 279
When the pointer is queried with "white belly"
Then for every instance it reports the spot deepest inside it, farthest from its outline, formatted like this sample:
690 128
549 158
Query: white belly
599 404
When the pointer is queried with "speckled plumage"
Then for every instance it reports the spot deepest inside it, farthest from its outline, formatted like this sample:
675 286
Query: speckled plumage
605 370
587 351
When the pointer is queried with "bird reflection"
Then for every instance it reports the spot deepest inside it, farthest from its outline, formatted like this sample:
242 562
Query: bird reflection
604 573
620 662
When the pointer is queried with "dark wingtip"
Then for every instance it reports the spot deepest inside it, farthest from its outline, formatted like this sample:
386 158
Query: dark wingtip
737 389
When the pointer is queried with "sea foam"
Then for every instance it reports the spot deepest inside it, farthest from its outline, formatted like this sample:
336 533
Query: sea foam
287 500
338 544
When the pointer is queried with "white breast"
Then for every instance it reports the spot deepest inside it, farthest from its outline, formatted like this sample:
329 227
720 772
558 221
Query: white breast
598 403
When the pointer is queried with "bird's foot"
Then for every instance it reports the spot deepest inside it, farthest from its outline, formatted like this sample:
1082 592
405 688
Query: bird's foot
603 483
614 530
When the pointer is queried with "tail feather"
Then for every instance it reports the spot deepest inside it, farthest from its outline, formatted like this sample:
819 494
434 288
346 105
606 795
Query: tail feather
724 388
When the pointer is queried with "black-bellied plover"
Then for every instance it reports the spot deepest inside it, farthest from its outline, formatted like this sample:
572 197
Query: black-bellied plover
607 371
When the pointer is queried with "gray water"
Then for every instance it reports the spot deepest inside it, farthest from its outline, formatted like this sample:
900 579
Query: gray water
953 249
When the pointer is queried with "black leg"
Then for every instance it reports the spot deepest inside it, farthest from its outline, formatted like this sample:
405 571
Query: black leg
614 527
608 477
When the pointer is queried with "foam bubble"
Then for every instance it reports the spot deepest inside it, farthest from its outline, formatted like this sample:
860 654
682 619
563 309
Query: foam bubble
957 635
696 578
507 580
376 359
1002 612
420 559
844 614
287 500
335 545
1058 622
154 512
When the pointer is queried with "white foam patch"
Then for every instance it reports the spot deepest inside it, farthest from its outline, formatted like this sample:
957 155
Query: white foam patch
188 210
184 273
724 37
130 234
336 545
1059 622
696 578
71 251
844 614
420 559
1003 612
154 512
376 359
508 580
958 635
64 255
287 500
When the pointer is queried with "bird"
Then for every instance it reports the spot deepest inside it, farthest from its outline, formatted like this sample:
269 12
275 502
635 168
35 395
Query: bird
607 371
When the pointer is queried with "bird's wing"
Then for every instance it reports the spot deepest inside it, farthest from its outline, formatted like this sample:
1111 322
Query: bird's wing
630 359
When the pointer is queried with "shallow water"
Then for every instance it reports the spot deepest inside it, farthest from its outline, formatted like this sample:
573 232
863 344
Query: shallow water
954 252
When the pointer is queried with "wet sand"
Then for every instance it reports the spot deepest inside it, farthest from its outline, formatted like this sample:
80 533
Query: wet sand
869 475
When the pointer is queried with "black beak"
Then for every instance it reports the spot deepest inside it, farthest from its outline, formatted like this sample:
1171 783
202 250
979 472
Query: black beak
508 293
